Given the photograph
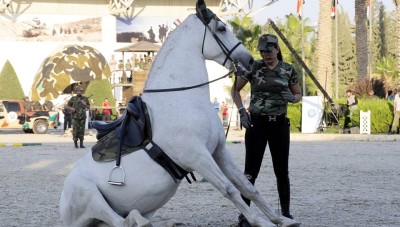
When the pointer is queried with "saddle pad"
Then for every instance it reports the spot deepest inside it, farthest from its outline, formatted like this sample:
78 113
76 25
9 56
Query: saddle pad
106 149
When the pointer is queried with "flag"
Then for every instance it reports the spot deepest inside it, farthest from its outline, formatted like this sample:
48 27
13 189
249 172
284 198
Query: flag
299 8
333 9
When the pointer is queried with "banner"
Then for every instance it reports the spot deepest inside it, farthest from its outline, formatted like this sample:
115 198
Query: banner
311 114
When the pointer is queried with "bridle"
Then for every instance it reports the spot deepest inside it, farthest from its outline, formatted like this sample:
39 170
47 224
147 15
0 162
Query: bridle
224 49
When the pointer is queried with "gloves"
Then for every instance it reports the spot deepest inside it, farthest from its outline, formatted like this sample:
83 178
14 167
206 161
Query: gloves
245 120
288 96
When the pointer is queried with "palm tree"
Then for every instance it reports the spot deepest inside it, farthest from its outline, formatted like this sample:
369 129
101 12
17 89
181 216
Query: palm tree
397 4
324 46
361 39
291 28
247 32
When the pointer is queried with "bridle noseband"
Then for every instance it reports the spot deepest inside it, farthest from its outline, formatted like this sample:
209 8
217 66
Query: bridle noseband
224 49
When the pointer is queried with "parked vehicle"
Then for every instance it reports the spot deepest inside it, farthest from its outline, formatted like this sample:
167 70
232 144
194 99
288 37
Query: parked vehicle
14 116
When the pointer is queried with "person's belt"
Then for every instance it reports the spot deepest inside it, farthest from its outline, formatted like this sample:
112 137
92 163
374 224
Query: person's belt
271 117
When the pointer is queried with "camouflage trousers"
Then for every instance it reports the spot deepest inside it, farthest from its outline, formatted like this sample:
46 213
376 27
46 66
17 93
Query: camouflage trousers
78 129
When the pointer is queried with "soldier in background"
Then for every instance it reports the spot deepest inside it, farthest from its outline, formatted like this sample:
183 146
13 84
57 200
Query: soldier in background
78 105
27 104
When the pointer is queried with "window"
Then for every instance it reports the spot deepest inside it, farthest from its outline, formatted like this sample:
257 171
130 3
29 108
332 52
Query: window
12 106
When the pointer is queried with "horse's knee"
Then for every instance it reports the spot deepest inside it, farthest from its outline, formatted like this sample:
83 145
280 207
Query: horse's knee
230 191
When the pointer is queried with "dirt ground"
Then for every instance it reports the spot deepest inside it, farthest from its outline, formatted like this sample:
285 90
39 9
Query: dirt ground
334 183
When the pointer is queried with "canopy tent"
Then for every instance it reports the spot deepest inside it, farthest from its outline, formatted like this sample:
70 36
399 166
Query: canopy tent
66 67
142 46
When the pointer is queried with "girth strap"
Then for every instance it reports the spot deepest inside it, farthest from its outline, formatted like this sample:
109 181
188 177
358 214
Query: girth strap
157 154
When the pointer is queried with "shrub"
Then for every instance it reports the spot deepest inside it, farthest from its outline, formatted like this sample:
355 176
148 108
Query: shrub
10 87
381 114
294 114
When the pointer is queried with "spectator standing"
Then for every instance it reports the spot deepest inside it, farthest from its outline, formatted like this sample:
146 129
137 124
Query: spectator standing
352 101
67 118
215 104
37 106
78 105
273 85
224 114
27 104
48 105
396 111
106 114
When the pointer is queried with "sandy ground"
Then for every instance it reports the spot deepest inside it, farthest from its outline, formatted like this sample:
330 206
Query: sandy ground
336 181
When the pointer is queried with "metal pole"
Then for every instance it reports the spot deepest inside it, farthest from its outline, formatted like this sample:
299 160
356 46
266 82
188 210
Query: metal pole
336 51
370 40
303 74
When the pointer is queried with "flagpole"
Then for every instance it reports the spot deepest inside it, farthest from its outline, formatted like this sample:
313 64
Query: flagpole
370 39
302 49
336 51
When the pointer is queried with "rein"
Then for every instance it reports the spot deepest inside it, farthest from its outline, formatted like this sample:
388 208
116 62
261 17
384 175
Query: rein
186 88
224 49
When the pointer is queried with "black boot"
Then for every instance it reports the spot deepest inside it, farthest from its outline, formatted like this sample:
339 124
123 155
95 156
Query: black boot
81 145
252 181
76 143
284 198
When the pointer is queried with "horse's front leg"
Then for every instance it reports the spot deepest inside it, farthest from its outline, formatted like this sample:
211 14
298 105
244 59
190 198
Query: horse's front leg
225 162
205 165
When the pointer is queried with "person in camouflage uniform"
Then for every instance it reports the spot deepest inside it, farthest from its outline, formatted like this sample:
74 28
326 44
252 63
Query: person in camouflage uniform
273 85
78 105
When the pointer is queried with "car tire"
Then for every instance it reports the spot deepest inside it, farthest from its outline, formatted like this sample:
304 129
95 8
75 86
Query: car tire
40 127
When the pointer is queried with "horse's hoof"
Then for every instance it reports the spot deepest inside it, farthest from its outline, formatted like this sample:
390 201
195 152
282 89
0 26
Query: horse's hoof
174 223
287 222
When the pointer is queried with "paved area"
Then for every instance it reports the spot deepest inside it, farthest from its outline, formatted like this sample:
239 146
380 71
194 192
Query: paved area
337 180
234 135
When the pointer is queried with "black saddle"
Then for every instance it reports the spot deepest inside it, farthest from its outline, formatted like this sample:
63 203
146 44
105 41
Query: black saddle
131 132
133 121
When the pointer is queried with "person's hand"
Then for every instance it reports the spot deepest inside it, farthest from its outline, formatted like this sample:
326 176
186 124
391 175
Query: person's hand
245 120
288 96
72 109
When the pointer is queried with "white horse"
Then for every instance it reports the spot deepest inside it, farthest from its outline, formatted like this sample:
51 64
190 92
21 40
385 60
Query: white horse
184 125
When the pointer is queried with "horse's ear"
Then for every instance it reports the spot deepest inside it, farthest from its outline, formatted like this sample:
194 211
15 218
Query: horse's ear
201 10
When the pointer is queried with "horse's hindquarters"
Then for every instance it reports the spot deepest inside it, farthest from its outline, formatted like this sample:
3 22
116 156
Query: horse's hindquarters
147 185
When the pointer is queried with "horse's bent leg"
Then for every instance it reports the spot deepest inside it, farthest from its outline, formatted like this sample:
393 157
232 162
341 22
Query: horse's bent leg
229 168
135 217
206 166
82 203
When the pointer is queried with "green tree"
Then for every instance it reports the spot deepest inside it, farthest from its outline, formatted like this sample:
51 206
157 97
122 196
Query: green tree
10 87
247 32
387 68
98 90
347 71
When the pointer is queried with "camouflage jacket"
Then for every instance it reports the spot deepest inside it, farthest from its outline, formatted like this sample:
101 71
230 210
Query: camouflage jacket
80 108
267 86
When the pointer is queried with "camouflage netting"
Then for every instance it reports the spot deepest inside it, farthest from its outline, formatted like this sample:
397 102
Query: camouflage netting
70 65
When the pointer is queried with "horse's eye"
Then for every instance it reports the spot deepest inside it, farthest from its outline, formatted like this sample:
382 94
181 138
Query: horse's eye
221 28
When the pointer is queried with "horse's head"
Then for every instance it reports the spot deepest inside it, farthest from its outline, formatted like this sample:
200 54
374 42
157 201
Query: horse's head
219 43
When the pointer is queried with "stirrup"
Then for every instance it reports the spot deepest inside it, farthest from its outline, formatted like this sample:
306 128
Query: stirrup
117 176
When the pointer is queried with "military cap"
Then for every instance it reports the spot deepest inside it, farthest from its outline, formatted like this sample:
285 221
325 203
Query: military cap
266 42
